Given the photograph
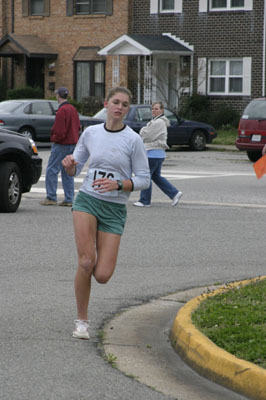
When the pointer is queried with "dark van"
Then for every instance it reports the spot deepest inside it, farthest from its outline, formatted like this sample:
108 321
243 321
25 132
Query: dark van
252 129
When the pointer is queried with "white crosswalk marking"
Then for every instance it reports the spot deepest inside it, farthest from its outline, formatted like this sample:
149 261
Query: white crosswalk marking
171 174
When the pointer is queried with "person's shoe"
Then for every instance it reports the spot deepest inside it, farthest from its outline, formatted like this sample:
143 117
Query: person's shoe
48 202
81 329
176 199
140 204
65 204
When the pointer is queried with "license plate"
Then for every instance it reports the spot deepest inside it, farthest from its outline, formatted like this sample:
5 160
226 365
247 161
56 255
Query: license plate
256 138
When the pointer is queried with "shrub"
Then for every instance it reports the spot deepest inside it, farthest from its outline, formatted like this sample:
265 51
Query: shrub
198 107
224 116
91 105
3 90
25 93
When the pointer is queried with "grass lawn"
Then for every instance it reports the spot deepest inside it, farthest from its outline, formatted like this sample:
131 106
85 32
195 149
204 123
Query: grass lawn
227 136
236 321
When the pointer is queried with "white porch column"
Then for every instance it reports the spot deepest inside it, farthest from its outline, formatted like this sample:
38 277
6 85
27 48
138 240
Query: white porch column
147 79
139 78
115 70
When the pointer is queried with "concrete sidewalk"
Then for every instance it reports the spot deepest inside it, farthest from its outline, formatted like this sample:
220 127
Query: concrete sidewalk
139 339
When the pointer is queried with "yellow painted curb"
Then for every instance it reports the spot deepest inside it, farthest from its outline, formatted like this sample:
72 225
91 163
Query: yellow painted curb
212 361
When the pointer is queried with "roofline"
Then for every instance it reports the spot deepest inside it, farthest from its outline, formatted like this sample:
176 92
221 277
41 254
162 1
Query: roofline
8 37
124 39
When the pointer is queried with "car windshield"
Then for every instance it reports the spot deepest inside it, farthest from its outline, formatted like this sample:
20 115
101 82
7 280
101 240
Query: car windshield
255 110
8 106
102 114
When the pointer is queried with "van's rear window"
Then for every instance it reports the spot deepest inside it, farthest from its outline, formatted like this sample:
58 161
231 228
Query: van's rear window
255 110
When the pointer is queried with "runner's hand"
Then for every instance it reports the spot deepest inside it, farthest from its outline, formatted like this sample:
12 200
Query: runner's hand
103 185
69 164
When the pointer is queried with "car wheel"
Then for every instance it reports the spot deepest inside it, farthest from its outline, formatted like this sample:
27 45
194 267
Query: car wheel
27 132
197 141
10 187
254 155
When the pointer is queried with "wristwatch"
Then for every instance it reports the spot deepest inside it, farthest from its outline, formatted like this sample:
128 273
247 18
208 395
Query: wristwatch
120 184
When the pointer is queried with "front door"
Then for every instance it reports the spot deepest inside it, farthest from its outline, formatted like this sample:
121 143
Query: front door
35 72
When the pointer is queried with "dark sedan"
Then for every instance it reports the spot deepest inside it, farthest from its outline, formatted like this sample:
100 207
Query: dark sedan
20 168
181 132
32 118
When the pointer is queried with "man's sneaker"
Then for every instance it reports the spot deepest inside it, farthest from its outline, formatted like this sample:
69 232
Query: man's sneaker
176 199
140 204
48 202
65 204
81 329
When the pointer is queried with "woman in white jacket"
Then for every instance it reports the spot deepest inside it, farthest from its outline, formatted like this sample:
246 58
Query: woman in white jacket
154 136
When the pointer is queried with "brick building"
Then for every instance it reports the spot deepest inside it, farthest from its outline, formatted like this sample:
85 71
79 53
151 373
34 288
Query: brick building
219 51
161 49
51 43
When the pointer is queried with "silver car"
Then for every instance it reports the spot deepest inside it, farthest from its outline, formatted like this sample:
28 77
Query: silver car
32 118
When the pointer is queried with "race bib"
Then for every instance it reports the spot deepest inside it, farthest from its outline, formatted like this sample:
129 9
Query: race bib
98 174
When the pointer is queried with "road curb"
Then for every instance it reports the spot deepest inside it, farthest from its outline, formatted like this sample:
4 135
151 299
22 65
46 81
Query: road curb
210 360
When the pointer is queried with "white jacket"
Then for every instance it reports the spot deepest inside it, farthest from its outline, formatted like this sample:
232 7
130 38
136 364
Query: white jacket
154 134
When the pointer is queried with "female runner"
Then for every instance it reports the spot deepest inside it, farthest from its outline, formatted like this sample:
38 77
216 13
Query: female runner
117 165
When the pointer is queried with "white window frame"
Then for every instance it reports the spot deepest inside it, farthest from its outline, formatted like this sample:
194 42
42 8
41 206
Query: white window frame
156 7
248 6
246 77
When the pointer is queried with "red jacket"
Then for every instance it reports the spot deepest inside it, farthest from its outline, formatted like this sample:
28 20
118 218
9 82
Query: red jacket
66 127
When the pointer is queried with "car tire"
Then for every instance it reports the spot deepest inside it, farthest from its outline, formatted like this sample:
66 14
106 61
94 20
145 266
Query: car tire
254 155
10 187
27 132
198 141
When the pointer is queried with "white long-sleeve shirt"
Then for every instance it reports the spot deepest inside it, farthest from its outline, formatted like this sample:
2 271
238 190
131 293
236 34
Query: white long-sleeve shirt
115 155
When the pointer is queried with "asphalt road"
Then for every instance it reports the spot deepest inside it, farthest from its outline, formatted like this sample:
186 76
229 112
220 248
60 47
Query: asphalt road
215 235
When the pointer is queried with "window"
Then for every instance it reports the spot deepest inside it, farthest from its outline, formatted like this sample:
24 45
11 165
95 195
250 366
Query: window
227 4
90 79
143 114
226 77
86 7
41 108
169 115
166 6
35 7
90 7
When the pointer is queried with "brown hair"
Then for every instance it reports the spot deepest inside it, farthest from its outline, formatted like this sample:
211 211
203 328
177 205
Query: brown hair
160 104
119 89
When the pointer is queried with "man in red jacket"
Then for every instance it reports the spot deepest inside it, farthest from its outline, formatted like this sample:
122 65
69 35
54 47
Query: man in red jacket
64 137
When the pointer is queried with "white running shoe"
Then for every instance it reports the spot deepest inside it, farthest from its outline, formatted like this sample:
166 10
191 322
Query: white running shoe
176 199
81 329
139 204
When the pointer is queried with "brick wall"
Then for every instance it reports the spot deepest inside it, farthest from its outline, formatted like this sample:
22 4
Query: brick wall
66 34
213 34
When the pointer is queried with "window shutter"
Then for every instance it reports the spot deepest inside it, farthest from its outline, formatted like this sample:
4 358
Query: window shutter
109 7
178 6
202 72
248 4
46 8
25 8
69 8
154 6
247 76
203 5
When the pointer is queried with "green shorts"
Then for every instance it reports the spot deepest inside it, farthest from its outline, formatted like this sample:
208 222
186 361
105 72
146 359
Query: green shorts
111 217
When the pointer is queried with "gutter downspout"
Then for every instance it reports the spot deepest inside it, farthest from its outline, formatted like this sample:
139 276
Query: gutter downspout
12 16
12 31
263 50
